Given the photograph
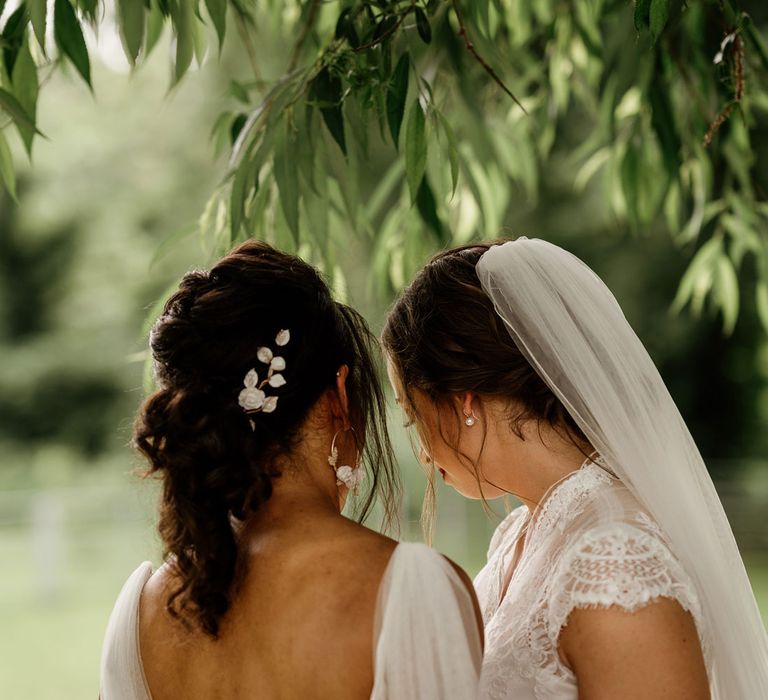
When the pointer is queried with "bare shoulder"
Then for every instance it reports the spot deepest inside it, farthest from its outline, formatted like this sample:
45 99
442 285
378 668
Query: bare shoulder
155 625
651 652
356 547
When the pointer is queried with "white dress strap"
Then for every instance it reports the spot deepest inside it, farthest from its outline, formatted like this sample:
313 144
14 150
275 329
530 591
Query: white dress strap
427 644
122 677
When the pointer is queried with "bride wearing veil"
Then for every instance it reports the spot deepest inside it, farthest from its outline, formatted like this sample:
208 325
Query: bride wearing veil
619 576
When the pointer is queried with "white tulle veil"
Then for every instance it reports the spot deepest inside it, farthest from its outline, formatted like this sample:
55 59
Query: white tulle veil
572 330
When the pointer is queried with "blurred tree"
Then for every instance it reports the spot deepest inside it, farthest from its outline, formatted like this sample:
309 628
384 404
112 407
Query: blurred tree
458 108
32 273
84 255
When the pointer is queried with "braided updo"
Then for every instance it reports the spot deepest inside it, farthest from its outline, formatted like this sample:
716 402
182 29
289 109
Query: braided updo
216 461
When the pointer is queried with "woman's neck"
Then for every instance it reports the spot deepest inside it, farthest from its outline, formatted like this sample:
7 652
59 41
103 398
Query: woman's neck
530 466
304 493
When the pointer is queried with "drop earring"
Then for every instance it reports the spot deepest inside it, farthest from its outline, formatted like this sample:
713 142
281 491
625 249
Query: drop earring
345 475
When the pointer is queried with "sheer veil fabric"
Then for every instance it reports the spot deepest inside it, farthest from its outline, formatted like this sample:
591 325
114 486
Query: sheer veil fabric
572 330
428 640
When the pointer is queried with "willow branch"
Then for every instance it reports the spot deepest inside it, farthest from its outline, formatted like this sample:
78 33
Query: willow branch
471 48
738 92
388 33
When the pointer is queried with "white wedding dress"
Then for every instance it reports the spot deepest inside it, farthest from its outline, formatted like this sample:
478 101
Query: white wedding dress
657 529
589 544
427 642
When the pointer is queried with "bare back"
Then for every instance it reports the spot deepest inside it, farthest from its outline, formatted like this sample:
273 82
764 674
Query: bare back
301 623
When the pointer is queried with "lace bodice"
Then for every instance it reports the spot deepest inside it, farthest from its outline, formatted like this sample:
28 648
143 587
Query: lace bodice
589 544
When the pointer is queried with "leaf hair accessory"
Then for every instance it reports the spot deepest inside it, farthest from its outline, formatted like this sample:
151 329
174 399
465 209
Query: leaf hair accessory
253 399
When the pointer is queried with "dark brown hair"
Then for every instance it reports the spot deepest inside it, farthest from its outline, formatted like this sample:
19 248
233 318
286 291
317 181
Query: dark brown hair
445 338
214 463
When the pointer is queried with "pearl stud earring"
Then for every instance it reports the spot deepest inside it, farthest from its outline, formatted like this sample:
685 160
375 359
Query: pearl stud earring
470 420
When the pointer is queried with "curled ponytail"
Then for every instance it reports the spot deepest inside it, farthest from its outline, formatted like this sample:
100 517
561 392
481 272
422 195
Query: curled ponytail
216 462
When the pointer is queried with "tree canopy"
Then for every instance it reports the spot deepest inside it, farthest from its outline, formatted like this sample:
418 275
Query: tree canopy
401 126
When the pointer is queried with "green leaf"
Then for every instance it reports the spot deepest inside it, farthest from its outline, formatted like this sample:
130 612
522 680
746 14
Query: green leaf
345 28
236 127
757 41
7 171
25 88
220 132
630 176
217 9
422 25
761 300
11 105
131 20
384 29
306 152
287 179
343 18
397 93
184 22
427 207
663 122
38 10
198 38
415 148
697 279
317 211
726 290
238 197
69 38
642 14
327 91
741 231
453 152
659 14
154 27
239 92
13 37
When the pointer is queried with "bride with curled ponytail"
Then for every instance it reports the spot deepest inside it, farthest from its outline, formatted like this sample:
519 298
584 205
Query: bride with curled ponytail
268 417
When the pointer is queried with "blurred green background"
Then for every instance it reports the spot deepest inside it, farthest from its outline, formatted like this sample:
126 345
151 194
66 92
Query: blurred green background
106 222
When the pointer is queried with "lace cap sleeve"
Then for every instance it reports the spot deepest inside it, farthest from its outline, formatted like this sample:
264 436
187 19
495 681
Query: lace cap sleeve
428 644
617 564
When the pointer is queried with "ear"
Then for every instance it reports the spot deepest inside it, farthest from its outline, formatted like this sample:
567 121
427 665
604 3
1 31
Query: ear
341 409
466 400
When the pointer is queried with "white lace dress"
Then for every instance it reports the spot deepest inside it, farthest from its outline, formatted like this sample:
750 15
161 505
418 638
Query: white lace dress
427 643
589 544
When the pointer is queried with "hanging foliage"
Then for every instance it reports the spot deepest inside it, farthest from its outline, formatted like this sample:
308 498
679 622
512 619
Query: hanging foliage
456 109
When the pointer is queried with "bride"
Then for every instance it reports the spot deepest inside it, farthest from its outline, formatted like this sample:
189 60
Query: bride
619 576
267 391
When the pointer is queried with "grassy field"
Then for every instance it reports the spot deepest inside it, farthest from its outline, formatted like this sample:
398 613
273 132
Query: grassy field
56 594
